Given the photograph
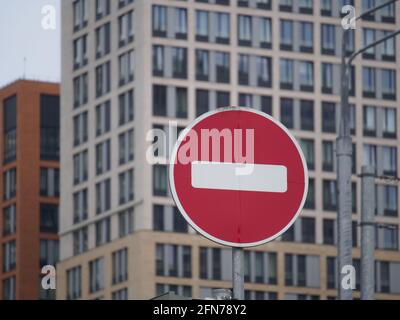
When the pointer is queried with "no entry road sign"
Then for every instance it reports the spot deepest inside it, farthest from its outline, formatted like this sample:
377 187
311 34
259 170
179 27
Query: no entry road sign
238 177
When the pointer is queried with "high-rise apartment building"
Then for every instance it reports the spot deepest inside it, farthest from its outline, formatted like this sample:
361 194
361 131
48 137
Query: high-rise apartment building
29 186
132 66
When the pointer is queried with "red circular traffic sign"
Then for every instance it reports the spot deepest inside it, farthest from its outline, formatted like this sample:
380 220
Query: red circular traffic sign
227 201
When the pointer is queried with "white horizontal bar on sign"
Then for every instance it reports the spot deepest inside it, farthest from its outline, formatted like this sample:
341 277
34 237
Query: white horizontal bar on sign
239 176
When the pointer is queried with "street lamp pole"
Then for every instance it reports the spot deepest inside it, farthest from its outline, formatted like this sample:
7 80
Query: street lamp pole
344 160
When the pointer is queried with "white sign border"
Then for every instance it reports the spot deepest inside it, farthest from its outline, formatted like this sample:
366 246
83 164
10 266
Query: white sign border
179 205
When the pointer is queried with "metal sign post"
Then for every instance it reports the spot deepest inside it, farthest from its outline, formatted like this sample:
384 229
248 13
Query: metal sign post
237 273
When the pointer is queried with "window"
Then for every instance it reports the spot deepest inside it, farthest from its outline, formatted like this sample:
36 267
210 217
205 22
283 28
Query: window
10 184
80 167
244 30
102 8
326 7
49 127
9 256
9 289
80 206
369 155
329 231
306 74
48 218
48 252
126 67
126 222
328 117
223 27
307 146
310 200
121 294
179 62
81 90
125 23
80 241
158 60
160 180
365 6
126 187
265 32
202 25
306 6
180 23
244 69
179 223
327 78
388 13
246 100
329 195
389 161
103 157
74 284
202 65
369 82
286 5
158 218
389 123
80 52
80 8
120 266
103 232
264 71
388 48
287 115
328 41
288 269
159 99
223 99
126 147
10 220
173 260
308 230
388 84
222 67
159 21
181 102
306 36
126 110
80 128
327 155
286 34
390 200
103 196
369 38
103 79
103 118
307 115
10 129
49 182
96 272
369 121
123 3
286 73
103 40
202 101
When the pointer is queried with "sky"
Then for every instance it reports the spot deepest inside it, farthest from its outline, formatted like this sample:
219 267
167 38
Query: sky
23 36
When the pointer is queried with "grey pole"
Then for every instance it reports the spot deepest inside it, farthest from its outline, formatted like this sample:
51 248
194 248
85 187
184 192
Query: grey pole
237 273
367 233
344 160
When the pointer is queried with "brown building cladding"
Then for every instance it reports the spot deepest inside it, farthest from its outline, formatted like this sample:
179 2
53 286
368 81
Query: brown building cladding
29 183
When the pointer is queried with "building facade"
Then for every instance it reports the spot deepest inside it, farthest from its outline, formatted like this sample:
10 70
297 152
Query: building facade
29 180
133 66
